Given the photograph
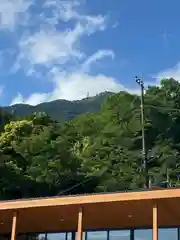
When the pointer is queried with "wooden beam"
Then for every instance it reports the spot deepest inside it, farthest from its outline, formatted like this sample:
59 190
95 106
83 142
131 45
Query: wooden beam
155 222
14 225
93 198
80 224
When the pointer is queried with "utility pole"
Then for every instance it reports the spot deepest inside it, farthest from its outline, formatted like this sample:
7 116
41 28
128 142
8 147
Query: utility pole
168 184
140 82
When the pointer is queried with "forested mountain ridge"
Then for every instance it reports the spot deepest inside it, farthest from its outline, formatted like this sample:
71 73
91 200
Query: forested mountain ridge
94 152
61 109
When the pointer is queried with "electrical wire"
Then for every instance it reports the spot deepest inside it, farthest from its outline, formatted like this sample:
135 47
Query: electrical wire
88 178
75 186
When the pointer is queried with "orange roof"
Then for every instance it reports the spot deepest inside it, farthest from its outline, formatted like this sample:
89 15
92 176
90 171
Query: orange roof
110 210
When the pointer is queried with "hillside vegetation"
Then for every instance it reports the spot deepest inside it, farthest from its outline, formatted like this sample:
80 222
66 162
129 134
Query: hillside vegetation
60 109
93 152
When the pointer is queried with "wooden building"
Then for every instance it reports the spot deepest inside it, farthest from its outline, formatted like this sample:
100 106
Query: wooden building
145 215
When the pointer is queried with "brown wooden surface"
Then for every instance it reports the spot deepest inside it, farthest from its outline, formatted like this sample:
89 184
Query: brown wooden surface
121 210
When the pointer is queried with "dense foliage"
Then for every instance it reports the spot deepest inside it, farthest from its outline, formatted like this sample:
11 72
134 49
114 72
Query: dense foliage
93 152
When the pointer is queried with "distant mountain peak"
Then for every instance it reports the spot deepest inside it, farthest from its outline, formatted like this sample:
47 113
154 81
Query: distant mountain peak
61 109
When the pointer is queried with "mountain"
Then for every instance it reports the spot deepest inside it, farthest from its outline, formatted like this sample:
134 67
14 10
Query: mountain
61 109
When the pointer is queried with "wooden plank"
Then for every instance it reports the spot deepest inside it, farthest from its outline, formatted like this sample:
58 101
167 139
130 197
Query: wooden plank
155 222
94 198
14 225
80 224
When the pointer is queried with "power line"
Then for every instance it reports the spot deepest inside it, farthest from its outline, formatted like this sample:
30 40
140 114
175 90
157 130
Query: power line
75 186
88 178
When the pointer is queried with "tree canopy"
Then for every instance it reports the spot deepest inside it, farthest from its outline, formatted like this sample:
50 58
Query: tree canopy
93 152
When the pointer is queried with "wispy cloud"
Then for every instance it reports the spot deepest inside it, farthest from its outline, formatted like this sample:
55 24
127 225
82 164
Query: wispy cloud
60 53
13 12
68 10
63 10
51 45
95 57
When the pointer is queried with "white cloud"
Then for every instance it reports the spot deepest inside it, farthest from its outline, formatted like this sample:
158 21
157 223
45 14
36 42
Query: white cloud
13 12
18 99
37 98
66 10
33 99
96 56
60 52
63 10
169 73
75 86
50 46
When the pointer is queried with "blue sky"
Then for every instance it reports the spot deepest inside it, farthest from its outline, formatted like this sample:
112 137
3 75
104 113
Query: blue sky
51 49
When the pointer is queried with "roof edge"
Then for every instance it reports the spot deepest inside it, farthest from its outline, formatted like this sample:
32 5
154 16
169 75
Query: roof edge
91 198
